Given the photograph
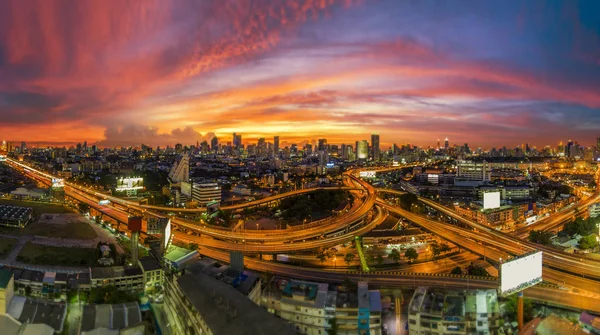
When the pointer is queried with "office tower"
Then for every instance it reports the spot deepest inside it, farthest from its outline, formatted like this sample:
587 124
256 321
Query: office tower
438 145
375 150
3 148
237 141
23 146
362 150
275 145
569 149
214 144
446 144
309 149
598 143
344 153
322 144
470 170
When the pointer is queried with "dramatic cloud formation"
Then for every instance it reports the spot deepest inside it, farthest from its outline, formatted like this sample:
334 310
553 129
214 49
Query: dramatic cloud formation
160 72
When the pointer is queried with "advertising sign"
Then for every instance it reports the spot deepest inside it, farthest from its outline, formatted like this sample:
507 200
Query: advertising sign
124 184
491 200
367 174
520 273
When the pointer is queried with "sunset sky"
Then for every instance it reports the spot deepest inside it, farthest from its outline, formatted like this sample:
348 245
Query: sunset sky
118 73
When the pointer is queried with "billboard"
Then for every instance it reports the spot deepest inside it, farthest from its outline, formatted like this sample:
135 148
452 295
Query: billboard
520 273
104 202
491 200
367 174
58 183
167 235
125 184
156 226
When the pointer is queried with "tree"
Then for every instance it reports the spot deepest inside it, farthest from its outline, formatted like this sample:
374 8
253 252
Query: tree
510 308
322 257
541 237
436 249
588 242
333 330
349 258
444 247
394 255
193 246
475 270
379 259
83 207
456 271
411 254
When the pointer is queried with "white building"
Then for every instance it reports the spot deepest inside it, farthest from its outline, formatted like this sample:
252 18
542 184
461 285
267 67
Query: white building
438 312
470 170
594 210
203 193
180 170
362 149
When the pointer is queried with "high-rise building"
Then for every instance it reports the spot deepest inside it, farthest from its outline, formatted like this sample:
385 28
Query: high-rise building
23 146
214 144
362 149
438 144
275 145
375 150
261 147
598 143
569 152
237 141
322 144
446 144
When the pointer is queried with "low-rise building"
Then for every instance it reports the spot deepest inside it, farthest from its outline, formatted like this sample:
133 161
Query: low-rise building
200 304
123 279
7 289
15 216
433 311
311 307
152 272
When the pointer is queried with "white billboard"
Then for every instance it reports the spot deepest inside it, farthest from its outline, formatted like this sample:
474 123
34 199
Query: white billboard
491 200
124 184
520 273
167 236
367 174
58 183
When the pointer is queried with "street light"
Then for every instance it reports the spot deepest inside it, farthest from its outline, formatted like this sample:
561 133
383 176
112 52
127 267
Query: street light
334 259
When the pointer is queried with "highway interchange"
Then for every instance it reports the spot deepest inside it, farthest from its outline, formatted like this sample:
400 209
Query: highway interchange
576 280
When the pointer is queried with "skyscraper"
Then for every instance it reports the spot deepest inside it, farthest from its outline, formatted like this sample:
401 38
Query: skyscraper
362 150
322 144
275 145
375 150
214 144
598 143
23 146
446 144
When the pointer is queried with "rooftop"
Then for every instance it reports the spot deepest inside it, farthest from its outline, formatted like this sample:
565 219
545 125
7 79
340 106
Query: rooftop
5 276
220 304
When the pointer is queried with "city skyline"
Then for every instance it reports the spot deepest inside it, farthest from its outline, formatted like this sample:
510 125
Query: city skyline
164 72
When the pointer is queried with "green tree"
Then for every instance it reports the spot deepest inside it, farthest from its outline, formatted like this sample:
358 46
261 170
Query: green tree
510 308
349 258
333 330
192 246
541 237
588 242
379 259
83 207
394 255
322 257
411 254
436 249
456 271
444 247
475 270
